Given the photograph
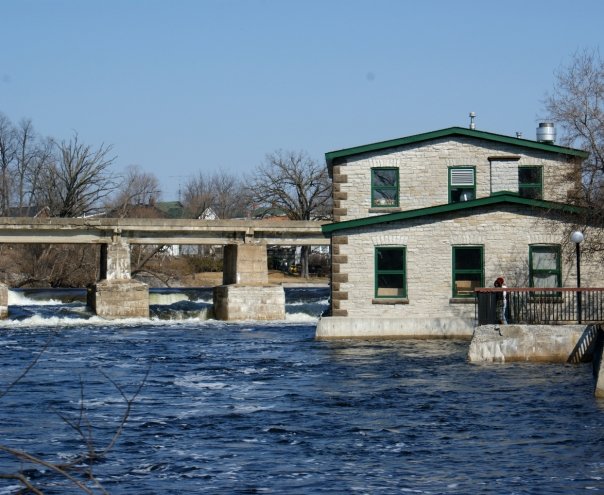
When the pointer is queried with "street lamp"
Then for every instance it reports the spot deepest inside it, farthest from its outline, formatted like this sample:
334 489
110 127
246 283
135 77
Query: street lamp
577 237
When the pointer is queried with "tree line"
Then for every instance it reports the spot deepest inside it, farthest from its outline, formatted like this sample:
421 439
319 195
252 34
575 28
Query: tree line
69 178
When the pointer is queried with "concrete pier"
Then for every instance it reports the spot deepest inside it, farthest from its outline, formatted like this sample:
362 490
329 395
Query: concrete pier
117 295
3 301
115 299
246 293
540 343
249 302
245 264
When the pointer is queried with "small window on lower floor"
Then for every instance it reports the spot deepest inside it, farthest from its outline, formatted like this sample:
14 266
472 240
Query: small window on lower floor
544 266
468 271
390 272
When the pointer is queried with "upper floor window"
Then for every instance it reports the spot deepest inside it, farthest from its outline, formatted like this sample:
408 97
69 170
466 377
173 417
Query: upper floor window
544 266
384 187
468 272
390 272
462 184
530 182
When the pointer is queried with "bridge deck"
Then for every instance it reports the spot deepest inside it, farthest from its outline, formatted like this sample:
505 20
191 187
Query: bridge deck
160 231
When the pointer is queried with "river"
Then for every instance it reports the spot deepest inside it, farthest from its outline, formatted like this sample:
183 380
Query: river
245 408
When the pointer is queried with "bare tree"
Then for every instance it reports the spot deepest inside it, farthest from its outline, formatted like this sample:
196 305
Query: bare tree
8 153
576 105
79 179
294 183
78 471
198 195
221 192
229 197
137 188
32 156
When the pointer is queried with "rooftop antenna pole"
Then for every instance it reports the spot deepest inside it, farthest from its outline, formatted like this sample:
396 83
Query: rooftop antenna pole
472 117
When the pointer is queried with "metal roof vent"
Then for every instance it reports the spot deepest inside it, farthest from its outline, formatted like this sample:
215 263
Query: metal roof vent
472 117
546 133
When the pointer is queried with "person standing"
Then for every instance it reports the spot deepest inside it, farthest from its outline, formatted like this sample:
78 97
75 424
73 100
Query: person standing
501 299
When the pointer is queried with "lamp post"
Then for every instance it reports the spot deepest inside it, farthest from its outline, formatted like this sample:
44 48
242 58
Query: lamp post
577 237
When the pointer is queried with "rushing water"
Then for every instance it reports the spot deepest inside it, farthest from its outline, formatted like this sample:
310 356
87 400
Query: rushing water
247 408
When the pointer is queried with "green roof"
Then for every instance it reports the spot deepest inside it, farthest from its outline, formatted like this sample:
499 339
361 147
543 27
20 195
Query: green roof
453 131
173 209
495 199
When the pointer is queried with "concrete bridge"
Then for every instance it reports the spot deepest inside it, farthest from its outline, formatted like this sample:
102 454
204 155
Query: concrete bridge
245 293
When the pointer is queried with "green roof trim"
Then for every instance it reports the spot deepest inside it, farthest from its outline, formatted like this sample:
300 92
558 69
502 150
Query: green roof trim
496 199
452 131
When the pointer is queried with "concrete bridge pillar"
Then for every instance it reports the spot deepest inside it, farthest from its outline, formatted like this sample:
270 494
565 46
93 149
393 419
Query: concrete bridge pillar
116 295
3 301
246 293
115 261
244 264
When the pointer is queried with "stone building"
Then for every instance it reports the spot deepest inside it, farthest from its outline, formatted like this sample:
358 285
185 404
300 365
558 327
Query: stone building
422 221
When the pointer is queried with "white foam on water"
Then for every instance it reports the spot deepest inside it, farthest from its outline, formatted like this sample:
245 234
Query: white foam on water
301 317
164 299
199 382
20 299
324 302
94 321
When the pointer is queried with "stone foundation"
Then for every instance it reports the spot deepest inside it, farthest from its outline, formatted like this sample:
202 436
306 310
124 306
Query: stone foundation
3 301
540 343
119 299
249 302
598 366
339 327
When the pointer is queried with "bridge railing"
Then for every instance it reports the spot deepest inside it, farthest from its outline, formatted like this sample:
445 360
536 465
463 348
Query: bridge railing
535 306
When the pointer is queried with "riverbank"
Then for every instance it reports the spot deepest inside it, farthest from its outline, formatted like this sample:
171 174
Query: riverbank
212 279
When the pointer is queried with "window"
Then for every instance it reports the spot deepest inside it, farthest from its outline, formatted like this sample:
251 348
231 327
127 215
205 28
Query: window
462 184
467 270
390 272
530 182
384 187
544 266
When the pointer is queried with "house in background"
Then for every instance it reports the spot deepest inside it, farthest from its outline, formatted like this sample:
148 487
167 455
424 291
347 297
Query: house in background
422 221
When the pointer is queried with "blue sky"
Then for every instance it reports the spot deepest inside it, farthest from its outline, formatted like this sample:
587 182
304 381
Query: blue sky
182 86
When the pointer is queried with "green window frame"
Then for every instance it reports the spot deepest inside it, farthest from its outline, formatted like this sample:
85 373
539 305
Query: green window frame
545 265
530 181
462 184
390 272
468 270
384 187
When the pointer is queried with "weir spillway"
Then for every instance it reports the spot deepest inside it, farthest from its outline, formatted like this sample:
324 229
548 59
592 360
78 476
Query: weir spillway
116 295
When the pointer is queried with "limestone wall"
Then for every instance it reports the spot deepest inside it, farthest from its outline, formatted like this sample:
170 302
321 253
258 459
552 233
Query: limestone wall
423 174
505 236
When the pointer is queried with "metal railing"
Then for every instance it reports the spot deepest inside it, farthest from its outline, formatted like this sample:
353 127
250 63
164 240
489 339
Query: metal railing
535 306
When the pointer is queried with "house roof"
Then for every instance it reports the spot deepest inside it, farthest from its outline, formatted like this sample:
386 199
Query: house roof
172 209
495 199
331 156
